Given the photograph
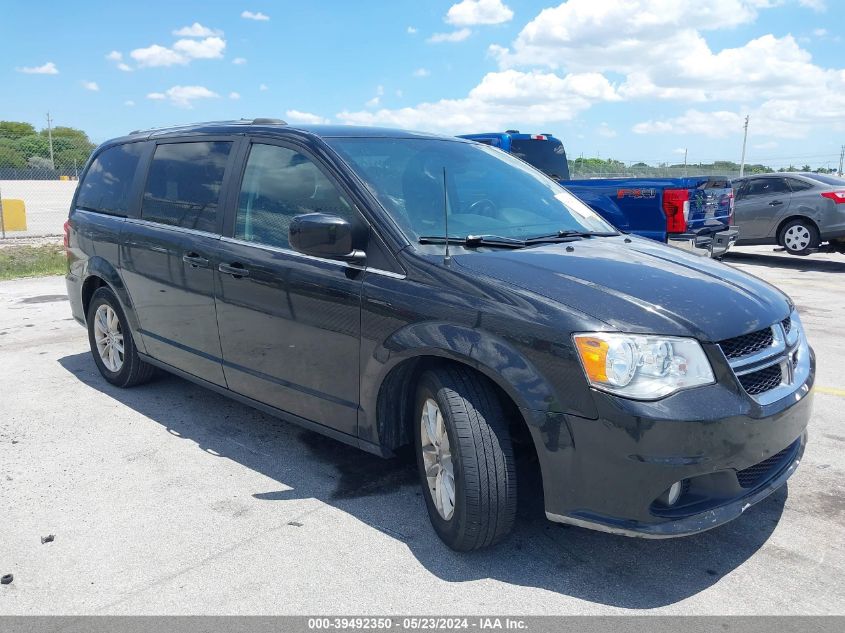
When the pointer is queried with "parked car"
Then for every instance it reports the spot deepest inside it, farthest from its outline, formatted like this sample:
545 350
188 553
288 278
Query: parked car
694 213
798 211
392 289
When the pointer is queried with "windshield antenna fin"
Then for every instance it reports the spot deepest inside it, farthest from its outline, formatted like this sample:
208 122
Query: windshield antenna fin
447 259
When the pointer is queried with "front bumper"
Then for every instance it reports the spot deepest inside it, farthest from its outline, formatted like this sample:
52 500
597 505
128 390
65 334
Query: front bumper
609 473
711 245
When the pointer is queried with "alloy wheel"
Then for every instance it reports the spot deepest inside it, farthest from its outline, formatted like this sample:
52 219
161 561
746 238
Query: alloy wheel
109 338
437 459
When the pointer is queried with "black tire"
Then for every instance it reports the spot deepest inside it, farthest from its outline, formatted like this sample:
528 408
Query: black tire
133 370
805 243
485 492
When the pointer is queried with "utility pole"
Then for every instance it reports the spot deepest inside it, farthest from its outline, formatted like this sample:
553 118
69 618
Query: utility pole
50 138
744 139
841 156
685 162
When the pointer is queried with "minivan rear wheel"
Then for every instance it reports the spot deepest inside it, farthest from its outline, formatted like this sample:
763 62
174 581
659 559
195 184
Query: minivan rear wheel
464 458
111 342
799 237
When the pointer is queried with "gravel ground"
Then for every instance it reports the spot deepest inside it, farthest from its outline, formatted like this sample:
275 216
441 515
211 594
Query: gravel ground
170 499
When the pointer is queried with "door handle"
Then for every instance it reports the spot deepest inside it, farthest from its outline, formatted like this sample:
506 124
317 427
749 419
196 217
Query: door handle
236 269
195 260
775 203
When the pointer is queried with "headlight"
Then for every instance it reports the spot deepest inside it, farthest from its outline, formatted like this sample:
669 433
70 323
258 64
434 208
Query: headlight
642 367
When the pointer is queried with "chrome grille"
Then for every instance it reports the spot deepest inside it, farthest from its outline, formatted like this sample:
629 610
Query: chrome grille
747 344
769 363
761 381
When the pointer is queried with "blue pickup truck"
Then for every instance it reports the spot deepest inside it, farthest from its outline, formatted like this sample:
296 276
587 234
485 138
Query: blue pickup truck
694 213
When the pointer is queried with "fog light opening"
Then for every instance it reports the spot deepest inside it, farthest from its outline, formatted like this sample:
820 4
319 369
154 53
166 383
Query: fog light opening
671 496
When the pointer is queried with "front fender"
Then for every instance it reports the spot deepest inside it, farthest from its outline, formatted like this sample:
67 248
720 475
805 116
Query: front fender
492 356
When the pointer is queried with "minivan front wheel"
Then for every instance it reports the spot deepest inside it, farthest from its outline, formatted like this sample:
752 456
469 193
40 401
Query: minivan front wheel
464 458
111 342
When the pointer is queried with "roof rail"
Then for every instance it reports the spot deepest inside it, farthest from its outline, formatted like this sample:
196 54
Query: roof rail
268 121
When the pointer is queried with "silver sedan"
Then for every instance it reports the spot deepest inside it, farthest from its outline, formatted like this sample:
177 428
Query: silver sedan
798 211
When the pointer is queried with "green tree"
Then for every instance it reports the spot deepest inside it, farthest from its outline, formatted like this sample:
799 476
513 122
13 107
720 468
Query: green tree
15 129
10 156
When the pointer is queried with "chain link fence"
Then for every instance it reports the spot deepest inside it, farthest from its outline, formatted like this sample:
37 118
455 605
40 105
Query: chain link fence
39 171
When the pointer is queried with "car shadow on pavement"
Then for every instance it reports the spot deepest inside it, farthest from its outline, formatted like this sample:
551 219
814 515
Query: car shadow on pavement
791 262
384 494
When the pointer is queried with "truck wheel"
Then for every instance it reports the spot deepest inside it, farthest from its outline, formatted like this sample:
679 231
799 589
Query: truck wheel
111 342
799 237
464 458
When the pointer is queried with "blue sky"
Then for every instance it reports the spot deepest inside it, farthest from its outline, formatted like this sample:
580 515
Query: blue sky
635 80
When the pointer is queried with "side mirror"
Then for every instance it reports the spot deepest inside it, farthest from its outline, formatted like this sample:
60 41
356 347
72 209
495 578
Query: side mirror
323 235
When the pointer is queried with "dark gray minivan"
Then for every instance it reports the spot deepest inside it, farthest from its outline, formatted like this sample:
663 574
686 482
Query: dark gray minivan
391 289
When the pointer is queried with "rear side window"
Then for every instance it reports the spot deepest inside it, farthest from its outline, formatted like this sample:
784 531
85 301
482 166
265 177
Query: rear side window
279 184
546 155
108 181
798 185
184 182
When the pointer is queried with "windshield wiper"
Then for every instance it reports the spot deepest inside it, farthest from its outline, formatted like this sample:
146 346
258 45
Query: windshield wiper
567 235
476 240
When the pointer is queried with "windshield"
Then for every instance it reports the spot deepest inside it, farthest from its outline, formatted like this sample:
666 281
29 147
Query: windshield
546 155
488 192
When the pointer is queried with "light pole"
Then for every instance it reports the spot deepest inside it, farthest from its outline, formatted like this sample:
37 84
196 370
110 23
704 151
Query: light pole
744 139
50 138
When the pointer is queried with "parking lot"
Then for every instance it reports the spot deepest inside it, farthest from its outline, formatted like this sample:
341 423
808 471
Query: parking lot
171 499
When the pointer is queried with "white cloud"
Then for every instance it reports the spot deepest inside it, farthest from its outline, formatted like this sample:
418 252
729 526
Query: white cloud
234 95
196 30
717 124
91 85
182 52
472 12
815 5
239 61
605 131
115 56
500 98
208 48
263 87
129 103
249 15
124 67
766 145
422 72
412 30
660 50
45 69
296 116
156 55
819 32
453 36
183 96
372 103
398 92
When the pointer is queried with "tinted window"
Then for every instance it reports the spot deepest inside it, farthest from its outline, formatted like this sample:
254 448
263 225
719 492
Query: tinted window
799 185
547 156
183 186
765 187
278 184
107 182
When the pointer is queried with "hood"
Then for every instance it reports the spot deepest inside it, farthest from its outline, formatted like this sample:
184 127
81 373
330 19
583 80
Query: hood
639 286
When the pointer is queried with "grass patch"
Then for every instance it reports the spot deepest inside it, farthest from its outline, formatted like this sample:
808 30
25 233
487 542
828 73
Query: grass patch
32 261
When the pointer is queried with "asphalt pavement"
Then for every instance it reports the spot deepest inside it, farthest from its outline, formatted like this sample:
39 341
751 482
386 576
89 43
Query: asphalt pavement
171 499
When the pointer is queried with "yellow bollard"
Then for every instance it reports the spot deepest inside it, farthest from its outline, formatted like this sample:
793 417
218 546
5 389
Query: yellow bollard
14 215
